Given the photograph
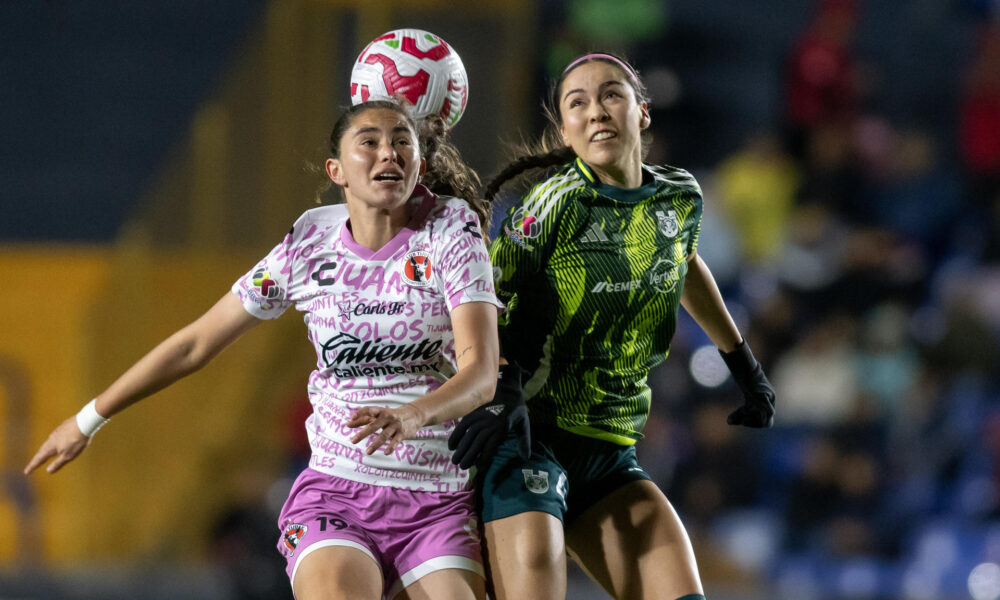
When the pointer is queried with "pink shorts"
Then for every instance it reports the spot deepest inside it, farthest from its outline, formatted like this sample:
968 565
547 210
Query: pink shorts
407 533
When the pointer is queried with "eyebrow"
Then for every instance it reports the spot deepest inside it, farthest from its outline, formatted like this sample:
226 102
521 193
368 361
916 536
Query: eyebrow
600 87
395 130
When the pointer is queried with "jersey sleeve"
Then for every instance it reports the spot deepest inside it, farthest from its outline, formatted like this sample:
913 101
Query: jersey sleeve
522 245
266 289
465 271
693 220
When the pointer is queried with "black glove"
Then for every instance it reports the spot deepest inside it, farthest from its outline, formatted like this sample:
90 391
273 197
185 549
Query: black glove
758 395
479 434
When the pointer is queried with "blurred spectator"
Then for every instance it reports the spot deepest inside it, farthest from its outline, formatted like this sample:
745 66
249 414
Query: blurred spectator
979 121
853 529
816 379
757 185
887 359
821 82
812 495
911 194
830 177
721 475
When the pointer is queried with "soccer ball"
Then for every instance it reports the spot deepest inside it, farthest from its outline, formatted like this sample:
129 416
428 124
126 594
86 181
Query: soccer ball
416 67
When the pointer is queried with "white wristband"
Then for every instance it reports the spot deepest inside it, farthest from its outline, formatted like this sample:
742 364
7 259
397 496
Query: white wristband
89 420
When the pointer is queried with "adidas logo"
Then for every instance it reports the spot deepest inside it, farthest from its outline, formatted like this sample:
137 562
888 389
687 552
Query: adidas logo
594 234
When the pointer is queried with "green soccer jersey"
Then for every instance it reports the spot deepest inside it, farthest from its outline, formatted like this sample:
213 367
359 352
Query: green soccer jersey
592 278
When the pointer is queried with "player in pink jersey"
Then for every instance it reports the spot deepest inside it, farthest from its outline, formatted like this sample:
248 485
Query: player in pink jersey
397 294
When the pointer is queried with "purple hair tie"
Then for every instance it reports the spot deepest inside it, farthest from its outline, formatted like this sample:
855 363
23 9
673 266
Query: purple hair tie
628 70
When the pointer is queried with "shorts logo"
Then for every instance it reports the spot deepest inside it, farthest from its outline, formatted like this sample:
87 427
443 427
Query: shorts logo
472 528
268 287
668 223
537 483
562 486
292 536
417 268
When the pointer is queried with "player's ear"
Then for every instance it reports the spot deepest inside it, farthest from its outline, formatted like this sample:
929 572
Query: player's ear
423 168
334 170
644 118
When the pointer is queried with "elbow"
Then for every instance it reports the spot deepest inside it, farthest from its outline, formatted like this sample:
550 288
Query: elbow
486 382
191 356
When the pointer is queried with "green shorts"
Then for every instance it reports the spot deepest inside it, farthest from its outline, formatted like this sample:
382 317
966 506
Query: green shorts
566 474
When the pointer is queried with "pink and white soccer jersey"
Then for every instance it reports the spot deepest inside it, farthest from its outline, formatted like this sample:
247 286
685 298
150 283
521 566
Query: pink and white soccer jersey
381 327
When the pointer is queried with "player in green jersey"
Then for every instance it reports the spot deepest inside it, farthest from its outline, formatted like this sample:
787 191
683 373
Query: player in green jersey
593 263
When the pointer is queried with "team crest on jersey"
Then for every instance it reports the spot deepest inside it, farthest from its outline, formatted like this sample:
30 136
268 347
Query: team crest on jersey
292 536
267 287
417 268
668 223
537 483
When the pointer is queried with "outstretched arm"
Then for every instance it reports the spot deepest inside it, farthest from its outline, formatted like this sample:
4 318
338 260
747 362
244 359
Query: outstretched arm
477 353
181 354
703 301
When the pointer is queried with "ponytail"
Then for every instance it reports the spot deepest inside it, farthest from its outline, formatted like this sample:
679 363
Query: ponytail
524 163
446 173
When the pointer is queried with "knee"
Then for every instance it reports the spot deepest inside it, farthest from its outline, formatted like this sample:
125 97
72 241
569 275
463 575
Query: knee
545 555
531 548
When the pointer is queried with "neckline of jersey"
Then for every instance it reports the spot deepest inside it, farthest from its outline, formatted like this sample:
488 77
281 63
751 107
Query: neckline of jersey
426 201
624 195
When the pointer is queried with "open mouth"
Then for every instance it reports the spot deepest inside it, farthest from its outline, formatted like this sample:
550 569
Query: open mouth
388 177
600 136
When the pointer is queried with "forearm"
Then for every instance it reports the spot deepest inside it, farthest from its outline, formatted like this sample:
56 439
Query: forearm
181 354
703 301
168 362
471 387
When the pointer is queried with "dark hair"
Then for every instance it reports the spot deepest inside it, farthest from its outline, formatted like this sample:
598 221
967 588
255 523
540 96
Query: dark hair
549 150
347 118
446 173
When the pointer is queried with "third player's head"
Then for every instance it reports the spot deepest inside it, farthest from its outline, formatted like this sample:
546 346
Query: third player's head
599 105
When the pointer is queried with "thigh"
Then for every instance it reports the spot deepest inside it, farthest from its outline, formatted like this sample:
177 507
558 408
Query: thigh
447 584
427 532
337 571
633 544
527 557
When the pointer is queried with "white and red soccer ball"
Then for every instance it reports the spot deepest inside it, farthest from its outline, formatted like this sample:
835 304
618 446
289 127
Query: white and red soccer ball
416 67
